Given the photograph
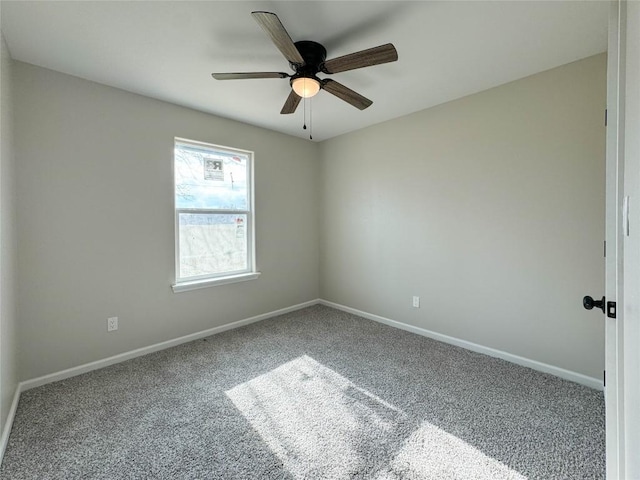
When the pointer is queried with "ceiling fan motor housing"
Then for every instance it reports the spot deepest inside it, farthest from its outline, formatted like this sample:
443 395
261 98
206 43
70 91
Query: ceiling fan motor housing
314 56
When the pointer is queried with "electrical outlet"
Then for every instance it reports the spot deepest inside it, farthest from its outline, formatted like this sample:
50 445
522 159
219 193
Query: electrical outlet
416 302
112 324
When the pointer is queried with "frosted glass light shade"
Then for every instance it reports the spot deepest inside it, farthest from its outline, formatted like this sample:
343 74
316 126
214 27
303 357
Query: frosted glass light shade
305 87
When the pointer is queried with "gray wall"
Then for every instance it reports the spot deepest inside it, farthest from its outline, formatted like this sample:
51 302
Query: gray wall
490 208
8 322
95 221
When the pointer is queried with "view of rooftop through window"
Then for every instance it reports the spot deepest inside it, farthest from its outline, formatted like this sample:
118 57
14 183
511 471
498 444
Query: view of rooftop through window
212 202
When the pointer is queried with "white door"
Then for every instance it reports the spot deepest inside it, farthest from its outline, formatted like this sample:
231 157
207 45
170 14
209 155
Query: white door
614 395
622 350
629 330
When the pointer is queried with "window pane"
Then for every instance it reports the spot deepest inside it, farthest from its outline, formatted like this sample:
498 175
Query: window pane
210 178
212 244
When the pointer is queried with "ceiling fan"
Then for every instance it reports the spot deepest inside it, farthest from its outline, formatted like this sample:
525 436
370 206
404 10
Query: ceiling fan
307 59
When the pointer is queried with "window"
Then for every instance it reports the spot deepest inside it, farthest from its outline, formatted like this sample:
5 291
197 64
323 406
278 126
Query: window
213 215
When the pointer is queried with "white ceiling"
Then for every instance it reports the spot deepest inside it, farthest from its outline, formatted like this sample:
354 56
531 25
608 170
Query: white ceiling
167 50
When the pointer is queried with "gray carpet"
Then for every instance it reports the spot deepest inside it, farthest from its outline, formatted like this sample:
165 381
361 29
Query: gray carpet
314 394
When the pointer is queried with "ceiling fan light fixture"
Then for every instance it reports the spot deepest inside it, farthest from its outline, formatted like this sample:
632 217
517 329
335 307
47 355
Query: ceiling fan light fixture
305 87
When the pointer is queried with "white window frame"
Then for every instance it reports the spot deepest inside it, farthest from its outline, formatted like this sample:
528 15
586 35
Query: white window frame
204 281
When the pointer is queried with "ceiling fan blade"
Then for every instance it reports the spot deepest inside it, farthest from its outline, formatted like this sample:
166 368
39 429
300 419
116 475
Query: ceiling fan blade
240 76
364 58
345 94
291 103
271 24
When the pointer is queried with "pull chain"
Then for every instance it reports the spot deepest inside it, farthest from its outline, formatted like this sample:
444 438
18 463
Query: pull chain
310 120
304 121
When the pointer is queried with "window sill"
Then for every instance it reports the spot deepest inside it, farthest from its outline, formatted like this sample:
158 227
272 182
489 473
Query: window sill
212 282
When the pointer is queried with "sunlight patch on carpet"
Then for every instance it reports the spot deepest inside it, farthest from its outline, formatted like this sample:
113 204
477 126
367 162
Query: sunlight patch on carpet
430 452
321 425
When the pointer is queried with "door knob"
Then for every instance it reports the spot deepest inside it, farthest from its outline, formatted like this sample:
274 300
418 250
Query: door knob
589 303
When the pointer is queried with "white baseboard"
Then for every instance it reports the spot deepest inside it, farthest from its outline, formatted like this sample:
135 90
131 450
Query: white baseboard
6 430
105 362
525 362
